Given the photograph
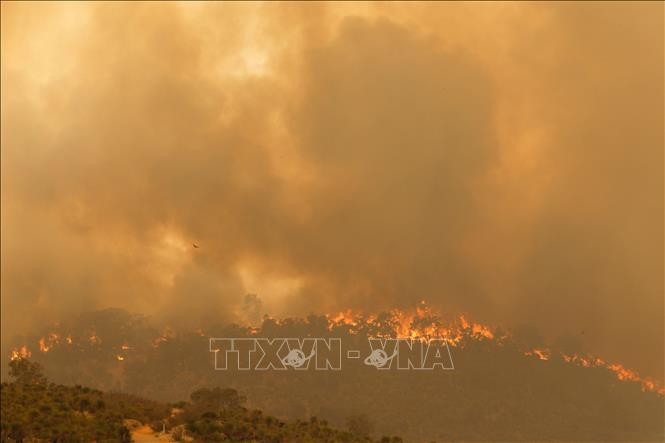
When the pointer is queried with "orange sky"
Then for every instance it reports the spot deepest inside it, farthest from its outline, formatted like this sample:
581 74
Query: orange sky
502 159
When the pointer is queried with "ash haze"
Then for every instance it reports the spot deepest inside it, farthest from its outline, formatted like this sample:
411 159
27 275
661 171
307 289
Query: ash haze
503 160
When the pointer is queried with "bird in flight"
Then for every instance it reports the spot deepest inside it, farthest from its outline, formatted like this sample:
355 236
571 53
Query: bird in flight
195 245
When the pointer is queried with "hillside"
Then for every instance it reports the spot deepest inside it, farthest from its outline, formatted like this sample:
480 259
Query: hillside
35 410
501 389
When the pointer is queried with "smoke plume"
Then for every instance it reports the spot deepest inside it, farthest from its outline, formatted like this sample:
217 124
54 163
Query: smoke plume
502 160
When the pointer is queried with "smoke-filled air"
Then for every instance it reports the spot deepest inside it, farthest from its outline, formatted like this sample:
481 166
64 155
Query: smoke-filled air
189 166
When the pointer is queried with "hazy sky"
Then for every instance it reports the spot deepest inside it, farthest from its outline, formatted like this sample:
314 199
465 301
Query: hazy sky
504 160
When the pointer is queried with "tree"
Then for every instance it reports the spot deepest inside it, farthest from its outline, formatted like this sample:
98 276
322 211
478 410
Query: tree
124 435
359 425
214 400
26 372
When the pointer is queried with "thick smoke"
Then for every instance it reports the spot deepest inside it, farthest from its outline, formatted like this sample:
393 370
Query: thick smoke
501 160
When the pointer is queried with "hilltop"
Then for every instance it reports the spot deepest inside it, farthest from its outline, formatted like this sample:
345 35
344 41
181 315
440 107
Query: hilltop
502 387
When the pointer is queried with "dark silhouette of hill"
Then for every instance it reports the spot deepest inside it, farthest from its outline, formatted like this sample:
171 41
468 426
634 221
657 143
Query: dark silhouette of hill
495 393
35 410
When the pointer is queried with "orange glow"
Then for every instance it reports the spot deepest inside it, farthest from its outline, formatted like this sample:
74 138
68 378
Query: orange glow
21 352
542 354
94 339
167 334
424 323
47 342
420 323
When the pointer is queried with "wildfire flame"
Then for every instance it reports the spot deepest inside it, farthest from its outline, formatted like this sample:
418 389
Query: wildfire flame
47 342
590 361
542 354
18 353
94 339
419 323
423 323
167 334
